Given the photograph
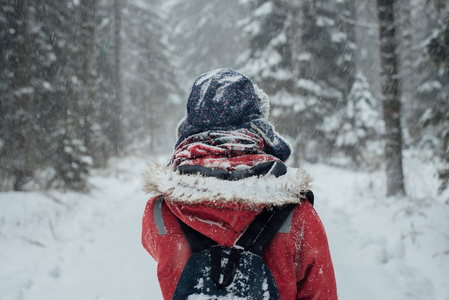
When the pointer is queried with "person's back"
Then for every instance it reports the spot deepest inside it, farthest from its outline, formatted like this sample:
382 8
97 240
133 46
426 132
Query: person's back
228 165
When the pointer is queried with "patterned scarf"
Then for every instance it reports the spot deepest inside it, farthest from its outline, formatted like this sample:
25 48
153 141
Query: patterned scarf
218 148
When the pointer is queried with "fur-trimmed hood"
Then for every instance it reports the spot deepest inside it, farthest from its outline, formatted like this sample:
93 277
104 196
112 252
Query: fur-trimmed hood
192 189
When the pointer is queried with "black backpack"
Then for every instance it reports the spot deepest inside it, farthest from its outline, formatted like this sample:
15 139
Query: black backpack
217 272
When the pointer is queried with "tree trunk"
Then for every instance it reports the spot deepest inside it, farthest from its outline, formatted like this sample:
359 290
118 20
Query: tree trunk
23 93
407 72
391 104
349 29
93 134
295 29
295 19
119 142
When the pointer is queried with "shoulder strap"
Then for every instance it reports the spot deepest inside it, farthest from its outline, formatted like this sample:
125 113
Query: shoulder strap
264 227
197 241
255 239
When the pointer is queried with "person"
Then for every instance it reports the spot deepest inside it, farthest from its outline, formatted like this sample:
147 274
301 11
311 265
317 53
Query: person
226 138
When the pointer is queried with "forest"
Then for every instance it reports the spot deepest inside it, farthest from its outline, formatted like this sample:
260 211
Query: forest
92 91
352 84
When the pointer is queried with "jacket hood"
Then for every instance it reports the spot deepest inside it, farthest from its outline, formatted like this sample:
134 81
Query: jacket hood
222 209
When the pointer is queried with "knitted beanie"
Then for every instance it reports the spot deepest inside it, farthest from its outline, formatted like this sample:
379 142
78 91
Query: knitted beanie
225 99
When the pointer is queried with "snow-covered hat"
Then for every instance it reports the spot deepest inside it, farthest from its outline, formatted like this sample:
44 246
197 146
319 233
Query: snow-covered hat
225 99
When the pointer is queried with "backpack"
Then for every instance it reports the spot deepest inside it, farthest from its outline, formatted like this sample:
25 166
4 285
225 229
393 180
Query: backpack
221 273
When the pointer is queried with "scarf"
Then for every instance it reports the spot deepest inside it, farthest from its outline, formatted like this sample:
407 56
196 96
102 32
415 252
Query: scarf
220 149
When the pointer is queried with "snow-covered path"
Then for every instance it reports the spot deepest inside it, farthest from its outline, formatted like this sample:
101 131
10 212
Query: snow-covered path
78 246
72 246
384 248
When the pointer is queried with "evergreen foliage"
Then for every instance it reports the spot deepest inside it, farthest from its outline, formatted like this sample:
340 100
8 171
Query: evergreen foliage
63 159
304 54
308 74
205 34
358 135
60 116
21 95
6 76
438 88
151 82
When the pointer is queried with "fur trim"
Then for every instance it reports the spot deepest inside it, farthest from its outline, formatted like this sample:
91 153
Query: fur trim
179 126
160 180
264 101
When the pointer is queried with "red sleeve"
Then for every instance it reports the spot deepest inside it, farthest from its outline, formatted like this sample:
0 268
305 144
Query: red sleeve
314 269
163 239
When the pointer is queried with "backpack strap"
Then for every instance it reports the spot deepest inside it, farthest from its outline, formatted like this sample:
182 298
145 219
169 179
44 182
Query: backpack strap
308 194
267 233
197 241
255 239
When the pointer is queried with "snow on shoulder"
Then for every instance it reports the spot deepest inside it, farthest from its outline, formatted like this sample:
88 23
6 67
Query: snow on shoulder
252 190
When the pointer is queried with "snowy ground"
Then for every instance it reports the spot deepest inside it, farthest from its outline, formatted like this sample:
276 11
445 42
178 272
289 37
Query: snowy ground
87 246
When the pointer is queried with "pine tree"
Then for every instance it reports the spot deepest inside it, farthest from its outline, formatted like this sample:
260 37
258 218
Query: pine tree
110 87
428 75
65 80
302 57
358 136
438 114
71 162
23 96
60 116
269 61
150 77
204 35
7 34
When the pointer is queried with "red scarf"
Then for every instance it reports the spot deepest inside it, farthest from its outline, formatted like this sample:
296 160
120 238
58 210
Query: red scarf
226 150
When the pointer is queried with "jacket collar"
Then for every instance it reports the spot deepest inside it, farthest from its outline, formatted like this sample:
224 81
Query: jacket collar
254 190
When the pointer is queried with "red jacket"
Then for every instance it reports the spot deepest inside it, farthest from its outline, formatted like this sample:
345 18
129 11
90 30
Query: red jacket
298 256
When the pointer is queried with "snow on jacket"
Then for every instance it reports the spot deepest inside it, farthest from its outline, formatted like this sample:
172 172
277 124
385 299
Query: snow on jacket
298 256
